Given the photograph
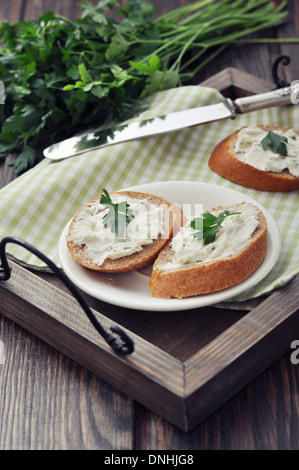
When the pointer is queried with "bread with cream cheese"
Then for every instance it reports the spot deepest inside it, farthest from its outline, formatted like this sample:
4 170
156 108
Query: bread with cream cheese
223 161
196 278
171 215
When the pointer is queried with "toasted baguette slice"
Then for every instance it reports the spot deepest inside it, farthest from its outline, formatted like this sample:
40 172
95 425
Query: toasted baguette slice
224 162
138 259
206 277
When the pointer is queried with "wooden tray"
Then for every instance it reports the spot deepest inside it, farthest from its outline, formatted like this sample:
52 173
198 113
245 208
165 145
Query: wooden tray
185 364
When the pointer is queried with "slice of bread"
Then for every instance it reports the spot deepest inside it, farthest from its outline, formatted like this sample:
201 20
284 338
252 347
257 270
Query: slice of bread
197 278
170 216
223 161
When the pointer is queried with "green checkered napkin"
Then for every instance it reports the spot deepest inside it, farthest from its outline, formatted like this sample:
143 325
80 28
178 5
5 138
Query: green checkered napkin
37 205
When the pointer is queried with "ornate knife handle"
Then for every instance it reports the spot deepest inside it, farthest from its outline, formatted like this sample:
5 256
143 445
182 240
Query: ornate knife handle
279 97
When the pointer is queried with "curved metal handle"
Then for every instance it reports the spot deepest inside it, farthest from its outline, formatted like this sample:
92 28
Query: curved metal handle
279 97
284 60
121 343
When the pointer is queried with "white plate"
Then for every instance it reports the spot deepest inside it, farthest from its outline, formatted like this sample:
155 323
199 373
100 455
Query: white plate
131 289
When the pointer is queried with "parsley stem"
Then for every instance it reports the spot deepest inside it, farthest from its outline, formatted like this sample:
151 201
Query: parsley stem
182 11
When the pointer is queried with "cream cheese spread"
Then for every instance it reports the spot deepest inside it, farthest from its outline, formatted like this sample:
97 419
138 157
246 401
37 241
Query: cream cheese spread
101 243
249 150
235 233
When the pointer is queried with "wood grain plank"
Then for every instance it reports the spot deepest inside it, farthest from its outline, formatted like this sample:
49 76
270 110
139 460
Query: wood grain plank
264 415
7 172
150 375
243 350
234 83
52 403
71 9
12 11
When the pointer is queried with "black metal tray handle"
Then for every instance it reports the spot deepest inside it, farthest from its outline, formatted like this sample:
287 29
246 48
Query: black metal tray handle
121 344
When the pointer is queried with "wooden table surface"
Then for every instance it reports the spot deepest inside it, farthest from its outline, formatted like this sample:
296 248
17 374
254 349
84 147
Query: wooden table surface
48 401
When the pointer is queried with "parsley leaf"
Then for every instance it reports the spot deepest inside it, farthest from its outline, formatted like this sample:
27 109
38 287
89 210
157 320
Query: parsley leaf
208 225
118 216
148 67
276 143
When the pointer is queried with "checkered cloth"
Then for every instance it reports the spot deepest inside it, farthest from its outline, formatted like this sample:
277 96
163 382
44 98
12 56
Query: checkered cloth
38 204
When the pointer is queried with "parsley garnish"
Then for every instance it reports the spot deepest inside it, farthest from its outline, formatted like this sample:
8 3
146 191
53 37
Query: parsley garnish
208 225
118 216
276 143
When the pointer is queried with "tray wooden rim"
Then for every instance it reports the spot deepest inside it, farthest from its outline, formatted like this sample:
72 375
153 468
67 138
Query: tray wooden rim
183 392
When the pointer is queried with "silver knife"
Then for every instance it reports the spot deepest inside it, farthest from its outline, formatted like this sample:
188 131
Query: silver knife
172 122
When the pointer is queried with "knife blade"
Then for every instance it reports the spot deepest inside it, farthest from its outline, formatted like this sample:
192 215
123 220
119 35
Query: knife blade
170 122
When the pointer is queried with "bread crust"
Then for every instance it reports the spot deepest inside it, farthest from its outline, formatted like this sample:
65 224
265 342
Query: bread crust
224 162
210 277
172 216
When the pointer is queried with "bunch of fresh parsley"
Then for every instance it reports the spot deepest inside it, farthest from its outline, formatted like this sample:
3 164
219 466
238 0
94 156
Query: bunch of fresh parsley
62 76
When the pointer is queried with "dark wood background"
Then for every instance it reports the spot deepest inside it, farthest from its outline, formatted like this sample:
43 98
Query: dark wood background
47 401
